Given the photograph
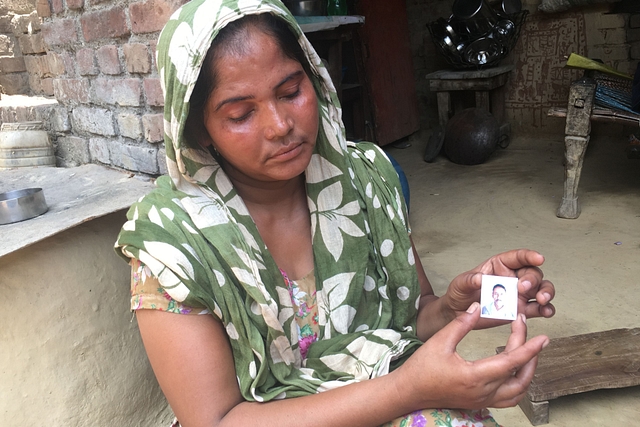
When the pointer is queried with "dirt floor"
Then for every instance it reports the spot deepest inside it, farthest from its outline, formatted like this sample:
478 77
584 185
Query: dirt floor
461 215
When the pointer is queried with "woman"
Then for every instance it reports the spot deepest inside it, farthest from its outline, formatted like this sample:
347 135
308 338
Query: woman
294 247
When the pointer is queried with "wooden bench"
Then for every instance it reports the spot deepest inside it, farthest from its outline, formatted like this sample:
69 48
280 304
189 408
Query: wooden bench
579 113
581 363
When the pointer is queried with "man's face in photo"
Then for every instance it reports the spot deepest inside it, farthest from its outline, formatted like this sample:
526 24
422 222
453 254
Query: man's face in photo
498 297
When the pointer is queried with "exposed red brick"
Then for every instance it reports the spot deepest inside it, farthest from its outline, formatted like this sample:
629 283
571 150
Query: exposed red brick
71 90
75 4
47 86
37 65
35 84
153 44
12 65
55 63
153 125
31 43
6 27
153 92
43 9
57 6
69 62
108 60
59 32
150 16
86 62
104 24
15 84
123 92
137 59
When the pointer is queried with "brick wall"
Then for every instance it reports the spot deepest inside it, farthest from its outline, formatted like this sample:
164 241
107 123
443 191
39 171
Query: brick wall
19 36
100 67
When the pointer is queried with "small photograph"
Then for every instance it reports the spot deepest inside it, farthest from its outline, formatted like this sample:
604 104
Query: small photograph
499 297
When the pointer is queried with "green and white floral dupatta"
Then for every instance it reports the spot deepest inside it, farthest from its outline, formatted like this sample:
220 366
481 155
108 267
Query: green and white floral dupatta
195 234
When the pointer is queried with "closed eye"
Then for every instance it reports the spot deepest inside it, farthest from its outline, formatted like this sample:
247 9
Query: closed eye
241 118
292 95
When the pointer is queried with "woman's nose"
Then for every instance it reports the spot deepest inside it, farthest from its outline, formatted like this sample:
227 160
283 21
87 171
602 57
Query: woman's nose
278 122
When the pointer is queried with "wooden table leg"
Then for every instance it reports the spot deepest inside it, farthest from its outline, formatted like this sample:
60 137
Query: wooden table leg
444 107
575 147
536 412
577 129
483 100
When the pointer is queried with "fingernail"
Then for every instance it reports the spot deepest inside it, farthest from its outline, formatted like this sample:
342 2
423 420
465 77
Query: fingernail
546 296
524 318
472 308
546 343
526 285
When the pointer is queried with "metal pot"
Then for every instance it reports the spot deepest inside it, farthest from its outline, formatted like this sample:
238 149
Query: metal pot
19 205
307 7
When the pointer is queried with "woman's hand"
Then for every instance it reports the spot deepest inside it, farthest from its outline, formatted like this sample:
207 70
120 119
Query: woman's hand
437 376
534 293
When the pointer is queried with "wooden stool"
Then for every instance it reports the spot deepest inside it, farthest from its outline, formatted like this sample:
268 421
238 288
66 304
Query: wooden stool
488 85
580 363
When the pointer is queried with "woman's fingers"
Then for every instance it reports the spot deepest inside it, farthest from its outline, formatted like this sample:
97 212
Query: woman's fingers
515 388
506 263
510 372
521 258
533 309
458 328
463 290
546 292
518 333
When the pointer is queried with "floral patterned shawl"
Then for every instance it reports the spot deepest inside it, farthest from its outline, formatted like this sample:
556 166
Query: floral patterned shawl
196 235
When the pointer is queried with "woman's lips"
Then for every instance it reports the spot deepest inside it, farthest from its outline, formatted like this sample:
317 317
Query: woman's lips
289 151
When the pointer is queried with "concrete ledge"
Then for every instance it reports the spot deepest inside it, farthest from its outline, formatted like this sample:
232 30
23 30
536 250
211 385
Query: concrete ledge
23 108
74 196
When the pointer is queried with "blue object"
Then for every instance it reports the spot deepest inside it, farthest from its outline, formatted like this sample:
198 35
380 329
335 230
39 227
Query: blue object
403 179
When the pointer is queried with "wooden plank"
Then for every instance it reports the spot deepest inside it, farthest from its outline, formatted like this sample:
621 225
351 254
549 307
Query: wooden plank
469 74
580 363
597 111
601 115
489 83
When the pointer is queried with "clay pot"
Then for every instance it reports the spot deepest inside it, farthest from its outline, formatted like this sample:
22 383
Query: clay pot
471 136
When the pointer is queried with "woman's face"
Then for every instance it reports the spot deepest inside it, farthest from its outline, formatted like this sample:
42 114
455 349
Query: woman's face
262 116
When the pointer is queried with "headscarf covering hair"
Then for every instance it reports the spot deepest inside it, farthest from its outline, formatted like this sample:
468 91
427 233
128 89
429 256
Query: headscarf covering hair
196 235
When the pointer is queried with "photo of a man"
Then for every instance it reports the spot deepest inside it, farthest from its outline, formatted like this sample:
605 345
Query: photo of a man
499 297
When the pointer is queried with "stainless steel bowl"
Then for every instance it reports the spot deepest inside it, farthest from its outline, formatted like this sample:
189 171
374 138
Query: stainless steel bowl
19 205
307 7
